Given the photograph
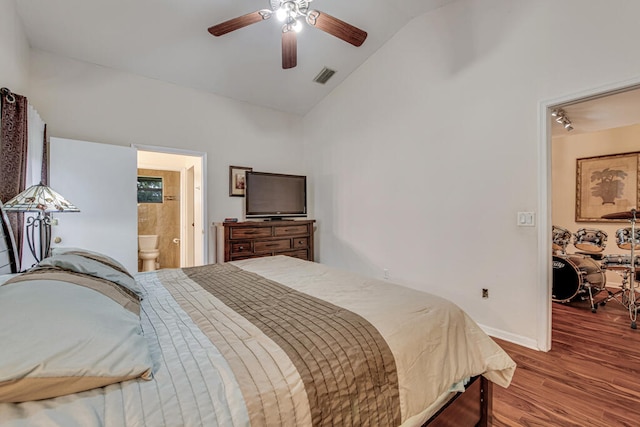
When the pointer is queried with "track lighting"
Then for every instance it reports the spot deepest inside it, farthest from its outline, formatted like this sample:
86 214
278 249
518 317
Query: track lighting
561 117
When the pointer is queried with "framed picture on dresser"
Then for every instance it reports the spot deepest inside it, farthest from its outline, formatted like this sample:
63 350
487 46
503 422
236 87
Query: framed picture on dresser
237 180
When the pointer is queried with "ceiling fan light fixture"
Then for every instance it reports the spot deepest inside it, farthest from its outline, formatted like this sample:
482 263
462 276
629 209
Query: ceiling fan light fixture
292 13
281 14
288 11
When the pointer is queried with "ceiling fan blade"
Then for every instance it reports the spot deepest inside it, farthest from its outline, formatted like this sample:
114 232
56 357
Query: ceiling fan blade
240 22
336 27
289 49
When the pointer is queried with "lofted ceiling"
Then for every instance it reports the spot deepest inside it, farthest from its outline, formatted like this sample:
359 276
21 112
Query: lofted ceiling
168 40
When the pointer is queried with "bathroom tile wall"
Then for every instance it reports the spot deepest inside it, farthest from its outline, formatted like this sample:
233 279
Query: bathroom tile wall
163 218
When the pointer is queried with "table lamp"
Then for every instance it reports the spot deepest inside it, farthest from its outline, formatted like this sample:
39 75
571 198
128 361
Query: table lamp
41 199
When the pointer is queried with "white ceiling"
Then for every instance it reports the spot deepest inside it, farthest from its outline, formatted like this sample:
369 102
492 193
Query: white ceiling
601 113
168 40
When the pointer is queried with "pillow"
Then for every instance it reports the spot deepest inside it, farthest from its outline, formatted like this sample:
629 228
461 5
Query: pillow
77 263
92 255
60 338
5 277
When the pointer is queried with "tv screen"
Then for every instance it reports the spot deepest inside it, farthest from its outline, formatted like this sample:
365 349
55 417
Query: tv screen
273 195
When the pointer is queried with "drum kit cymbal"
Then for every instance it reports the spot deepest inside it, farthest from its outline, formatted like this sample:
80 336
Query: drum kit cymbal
631 215
575 275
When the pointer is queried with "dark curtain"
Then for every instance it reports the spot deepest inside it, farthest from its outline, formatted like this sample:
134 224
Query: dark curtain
13 156
44 172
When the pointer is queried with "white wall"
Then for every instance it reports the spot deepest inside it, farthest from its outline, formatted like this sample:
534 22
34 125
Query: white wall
14 50
422 158
418 162
565 151
88 102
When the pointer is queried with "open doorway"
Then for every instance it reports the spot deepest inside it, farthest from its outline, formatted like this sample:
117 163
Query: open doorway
174 208
592 129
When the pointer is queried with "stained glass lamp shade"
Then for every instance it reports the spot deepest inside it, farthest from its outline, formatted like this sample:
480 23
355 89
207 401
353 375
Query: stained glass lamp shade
41 199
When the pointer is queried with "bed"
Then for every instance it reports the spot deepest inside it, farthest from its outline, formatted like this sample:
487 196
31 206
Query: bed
263 342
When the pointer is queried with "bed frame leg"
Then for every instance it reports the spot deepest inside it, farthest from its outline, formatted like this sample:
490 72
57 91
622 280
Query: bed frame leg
486 403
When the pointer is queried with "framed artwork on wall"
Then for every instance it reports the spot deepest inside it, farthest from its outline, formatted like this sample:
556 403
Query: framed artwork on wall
237 180
605 185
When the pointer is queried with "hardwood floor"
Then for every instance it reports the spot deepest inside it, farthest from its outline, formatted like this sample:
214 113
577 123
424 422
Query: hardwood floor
591 376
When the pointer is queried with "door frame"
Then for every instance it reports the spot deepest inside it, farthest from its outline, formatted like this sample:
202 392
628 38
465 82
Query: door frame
545 271
203 191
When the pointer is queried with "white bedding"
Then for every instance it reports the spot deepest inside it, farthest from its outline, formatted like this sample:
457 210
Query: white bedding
194 385
184 391
435 344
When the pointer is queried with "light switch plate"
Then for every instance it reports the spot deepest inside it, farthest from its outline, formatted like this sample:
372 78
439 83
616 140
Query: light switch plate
526 219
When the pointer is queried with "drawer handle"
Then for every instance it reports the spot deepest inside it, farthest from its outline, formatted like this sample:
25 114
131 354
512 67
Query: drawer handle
270 245
250 232
241 248
301 242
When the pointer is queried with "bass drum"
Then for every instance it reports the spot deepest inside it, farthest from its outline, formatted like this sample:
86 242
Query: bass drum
571 274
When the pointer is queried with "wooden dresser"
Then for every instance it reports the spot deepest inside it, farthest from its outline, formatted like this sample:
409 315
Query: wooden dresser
253 239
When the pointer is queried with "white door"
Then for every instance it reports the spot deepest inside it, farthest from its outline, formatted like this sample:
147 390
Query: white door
100 179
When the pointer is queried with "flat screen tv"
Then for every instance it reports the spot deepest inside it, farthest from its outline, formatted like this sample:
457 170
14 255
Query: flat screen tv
275 196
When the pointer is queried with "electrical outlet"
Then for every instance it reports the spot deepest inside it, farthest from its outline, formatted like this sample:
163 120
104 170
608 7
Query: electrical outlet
485 293
385 273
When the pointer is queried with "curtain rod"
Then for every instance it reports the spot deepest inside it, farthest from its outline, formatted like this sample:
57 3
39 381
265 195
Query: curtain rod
8 95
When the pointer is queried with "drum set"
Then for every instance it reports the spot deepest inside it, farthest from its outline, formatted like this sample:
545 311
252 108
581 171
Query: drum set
581 275
578 276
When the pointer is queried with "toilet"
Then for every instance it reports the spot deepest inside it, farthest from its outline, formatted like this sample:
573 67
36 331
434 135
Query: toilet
148 251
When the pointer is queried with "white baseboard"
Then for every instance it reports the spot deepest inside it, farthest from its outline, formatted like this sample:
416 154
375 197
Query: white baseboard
508 336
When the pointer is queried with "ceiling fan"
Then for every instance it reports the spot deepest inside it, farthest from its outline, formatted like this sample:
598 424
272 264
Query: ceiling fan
292 12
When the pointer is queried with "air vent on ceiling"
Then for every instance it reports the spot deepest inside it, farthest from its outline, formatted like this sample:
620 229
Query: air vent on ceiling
324 75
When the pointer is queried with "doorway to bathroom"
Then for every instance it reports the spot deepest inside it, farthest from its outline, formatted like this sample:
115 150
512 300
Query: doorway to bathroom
171 206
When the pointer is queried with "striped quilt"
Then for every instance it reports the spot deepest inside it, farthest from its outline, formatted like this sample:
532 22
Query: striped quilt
283 342
346 371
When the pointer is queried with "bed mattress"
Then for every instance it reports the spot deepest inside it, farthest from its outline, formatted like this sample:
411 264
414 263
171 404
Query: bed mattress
281 341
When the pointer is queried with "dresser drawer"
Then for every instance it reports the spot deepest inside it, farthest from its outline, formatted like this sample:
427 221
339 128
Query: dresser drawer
241 248
297 254
241 257
290 230
300 242
249 232
272 245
